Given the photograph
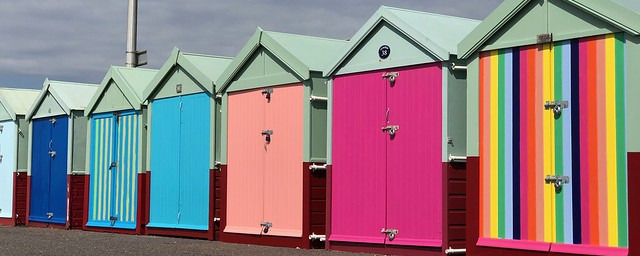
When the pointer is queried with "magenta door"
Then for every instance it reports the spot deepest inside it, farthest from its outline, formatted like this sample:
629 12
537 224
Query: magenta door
414 153
359 158
385 182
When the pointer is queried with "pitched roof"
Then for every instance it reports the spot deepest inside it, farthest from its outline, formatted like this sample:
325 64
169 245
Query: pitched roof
131 81
204 68
301 53
17 101
623 14
70 96
436 33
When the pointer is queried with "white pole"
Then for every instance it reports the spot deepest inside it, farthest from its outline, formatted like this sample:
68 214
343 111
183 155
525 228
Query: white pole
132 34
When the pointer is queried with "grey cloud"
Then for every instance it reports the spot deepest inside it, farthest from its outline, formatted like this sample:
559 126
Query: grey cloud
77 40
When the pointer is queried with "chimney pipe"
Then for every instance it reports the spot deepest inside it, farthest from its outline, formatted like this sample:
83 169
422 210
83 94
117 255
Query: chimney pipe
132 34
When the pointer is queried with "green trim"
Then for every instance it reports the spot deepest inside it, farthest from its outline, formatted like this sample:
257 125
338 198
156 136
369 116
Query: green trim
501 153
623 232
164 71
444 88
329 121
632 92
559 142
254 83
306 121
241 59
223 128
472 105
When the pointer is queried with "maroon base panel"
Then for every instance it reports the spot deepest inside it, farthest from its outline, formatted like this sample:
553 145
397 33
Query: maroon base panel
19 211
313 208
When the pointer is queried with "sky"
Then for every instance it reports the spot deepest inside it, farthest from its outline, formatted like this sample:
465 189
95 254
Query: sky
77 40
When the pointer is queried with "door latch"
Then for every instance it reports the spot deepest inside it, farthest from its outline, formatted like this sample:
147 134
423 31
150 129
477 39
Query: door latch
391 76
391 129
556 106
49 215
112 165
267 92
113 220
267 134
52 120
52 153
265 226
557 181
391 233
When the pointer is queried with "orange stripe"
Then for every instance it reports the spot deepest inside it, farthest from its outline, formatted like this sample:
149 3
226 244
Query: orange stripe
487 152
539 166
593 144
602 141
481 150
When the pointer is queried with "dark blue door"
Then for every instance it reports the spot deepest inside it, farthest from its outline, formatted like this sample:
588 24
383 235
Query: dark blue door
49 170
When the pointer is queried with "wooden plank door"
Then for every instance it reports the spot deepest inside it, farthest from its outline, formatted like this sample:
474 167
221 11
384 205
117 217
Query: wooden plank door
58 173
414 156
101 178
125 191
194 161
359 158
7 166
283 161
245 162
165 165
40 170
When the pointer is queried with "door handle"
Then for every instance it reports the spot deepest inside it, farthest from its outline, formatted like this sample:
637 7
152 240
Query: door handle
391 233
265 226
267 134
556 180
391 129
267 92
52 153
391 76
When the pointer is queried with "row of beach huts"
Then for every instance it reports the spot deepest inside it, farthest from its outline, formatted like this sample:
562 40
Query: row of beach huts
423 134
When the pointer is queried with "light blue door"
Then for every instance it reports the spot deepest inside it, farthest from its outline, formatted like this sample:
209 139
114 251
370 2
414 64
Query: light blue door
194 161
165 165
7 166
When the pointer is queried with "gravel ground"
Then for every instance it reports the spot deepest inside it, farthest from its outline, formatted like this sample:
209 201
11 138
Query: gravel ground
42 241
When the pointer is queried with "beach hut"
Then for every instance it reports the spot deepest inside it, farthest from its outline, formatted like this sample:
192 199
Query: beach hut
57 149
273 130
114 186
14 132
181 147
551 143
397 139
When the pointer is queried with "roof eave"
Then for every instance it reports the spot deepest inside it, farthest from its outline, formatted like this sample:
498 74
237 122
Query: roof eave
162 73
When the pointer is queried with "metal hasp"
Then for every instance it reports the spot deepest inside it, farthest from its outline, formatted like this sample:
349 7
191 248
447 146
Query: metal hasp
267 92
265 226
52 120
113 220
557 181
391 76
318 98
453 158
391 129
544 38
556 106
49 215
315 167
267 134
1 128
391 233
112 165
52 153
452 251
320 238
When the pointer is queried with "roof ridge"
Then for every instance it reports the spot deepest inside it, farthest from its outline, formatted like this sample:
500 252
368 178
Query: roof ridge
18 89
306 36
70 83
430 13
206 55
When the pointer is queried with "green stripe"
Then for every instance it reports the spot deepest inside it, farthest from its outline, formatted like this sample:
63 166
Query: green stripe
501 155
559 222
620 142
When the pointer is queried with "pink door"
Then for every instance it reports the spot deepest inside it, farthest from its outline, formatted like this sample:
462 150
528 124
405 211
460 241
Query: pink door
283 161
245 162
359 158
414 165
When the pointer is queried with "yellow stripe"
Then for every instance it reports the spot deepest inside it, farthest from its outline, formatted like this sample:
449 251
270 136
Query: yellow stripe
611 140
493 163
109 176
552 143
125 168
118 168
134 165
101 170
546 144
95 167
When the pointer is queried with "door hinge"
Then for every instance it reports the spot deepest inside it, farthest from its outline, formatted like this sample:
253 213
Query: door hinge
267 92
557 180
113 220
391 76
265 226
49 215
391 233
391 129
556 106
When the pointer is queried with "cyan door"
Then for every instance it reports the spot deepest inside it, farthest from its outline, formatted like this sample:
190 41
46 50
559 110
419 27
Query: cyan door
180 162
49 170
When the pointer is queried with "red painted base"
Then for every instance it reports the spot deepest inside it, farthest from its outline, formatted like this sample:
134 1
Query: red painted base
111 230
20 198
473 163
36 224
7 222
204 234
384 249
313 214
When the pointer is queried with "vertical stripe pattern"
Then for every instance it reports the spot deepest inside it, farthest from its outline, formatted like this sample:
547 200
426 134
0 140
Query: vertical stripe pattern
522 142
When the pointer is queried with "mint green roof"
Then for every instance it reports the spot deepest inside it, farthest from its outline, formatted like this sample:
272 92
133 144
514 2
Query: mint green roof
70 96
206 69
436 33
17 101
303 54
131 81
623 14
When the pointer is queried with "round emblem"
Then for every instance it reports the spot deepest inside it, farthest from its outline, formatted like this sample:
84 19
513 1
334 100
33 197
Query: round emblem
384 51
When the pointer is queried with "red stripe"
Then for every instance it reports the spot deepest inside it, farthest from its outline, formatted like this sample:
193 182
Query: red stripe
524 147
531 93
584 151
592 143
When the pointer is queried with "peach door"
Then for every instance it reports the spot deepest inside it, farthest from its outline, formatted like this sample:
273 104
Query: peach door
245 162
283 161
